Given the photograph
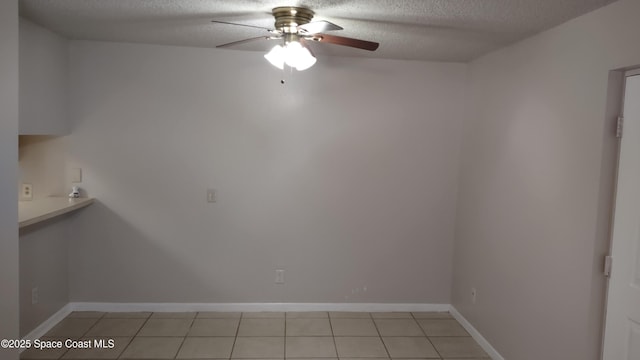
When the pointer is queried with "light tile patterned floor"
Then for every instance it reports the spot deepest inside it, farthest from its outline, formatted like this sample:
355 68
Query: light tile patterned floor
273 335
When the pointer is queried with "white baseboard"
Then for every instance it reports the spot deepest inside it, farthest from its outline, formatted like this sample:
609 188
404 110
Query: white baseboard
48 324
486 346
252 307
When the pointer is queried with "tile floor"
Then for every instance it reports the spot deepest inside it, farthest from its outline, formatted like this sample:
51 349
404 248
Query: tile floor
269 335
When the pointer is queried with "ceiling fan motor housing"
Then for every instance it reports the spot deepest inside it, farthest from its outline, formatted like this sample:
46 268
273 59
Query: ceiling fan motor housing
288 18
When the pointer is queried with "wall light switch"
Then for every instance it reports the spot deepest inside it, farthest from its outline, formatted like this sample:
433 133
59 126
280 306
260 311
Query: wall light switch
76 175
34 296
211 195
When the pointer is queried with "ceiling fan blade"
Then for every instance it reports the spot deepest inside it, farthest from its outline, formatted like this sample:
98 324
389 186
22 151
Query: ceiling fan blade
251 26
318 26
247 40
345 41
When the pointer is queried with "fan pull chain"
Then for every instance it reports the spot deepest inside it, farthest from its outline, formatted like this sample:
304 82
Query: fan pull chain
285 75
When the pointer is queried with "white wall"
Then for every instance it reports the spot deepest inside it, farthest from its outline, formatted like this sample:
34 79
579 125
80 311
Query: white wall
8 174
535 186
44 74
345 177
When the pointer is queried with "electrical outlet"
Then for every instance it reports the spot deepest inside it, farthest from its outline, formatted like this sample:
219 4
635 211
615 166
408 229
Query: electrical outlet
34 296
26 192
279 276
473 295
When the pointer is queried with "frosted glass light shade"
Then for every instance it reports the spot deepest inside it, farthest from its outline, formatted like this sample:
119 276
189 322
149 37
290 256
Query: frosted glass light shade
293 54
276 57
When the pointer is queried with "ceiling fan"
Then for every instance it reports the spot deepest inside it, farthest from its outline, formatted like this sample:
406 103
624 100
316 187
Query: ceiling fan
294 27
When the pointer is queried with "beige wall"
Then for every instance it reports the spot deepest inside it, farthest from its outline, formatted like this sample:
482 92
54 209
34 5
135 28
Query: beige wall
345 177
8 174
535 186
43 164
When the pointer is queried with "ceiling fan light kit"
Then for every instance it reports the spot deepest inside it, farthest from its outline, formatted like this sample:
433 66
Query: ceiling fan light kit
293 54
294 28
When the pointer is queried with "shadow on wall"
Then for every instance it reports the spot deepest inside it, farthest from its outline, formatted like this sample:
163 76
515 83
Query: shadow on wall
44 278
112 261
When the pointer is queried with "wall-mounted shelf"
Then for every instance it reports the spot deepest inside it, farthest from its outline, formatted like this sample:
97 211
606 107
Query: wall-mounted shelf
33 212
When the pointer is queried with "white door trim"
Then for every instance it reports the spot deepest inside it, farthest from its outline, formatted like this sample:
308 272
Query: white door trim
622 316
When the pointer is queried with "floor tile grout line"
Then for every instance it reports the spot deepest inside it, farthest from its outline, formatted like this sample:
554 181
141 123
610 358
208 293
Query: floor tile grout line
106 315
333 335
380 336
235 338
184 338
83 334
135 335
425 334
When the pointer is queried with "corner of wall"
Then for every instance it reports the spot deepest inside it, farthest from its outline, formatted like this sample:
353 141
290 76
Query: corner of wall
9 303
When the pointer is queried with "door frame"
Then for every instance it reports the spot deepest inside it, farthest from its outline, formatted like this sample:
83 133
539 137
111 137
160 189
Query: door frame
619 98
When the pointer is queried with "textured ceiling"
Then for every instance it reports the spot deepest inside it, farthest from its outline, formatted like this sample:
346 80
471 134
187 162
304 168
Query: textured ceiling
443 30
